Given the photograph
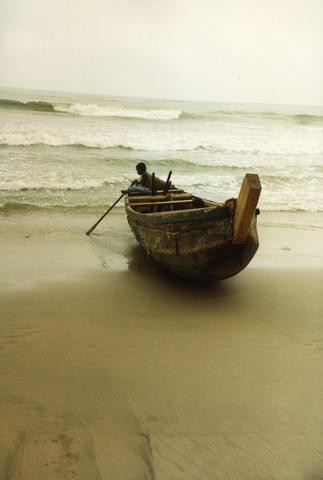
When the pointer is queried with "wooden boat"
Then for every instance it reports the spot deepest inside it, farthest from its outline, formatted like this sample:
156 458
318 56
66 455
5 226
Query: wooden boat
197 238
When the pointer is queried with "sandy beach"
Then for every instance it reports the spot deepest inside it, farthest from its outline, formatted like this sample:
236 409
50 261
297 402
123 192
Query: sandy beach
112 369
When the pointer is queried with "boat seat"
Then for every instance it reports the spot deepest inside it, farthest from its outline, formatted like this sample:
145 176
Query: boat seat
164 203
159 198
167 205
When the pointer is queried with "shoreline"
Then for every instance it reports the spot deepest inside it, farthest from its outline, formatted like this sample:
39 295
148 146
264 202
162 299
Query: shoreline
39 245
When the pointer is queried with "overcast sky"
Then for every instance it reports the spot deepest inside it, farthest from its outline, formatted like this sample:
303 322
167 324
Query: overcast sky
267 51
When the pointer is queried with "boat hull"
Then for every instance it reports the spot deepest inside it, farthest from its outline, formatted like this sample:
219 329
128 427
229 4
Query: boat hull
196 244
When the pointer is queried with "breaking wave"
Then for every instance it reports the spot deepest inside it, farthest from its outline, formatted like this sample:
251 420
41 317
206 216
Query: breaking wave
39 106
161 114
92 110
141 143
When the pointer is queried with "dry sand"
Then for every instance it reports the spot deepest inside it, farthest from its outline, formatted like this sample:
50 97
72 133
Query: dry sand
111 369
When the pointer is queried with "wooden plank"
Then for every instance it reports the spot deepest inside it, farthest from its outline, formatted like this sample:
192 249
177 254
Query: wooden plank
170 202
145 198
133 195
246 206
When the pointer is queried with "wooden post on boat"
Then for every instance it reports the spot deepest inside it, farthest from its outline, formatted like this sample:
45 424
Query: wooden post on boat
245 208
167 184
153 190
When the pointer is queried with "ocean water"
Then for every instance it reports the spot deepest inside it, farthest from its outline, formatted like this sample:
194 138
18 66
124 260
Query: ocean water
76 151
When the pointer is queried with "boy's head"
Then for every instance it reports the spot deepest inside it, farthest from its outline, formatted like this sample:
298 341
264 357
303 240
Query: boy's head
141 168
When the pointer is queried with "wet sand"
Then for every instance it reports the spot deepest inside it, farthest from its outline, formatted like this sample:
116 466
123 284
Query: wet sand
111 369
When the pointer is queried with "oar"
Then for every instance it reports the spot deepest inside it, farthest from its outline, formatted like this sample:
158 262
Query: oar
106 213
